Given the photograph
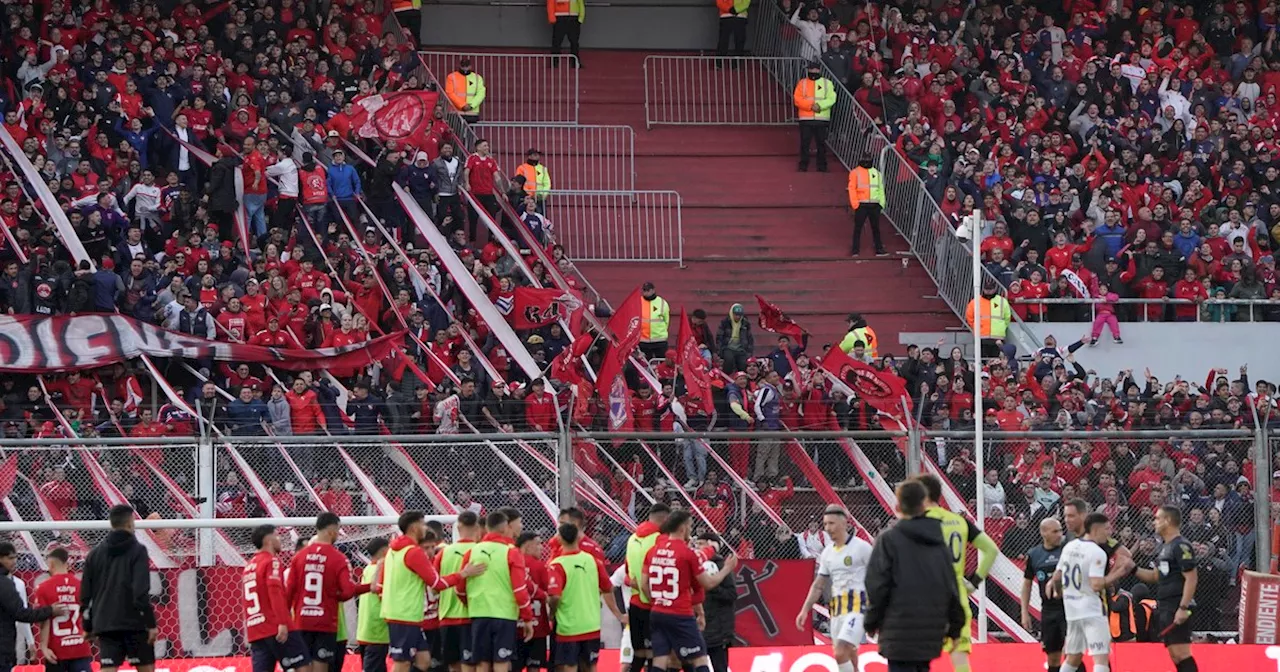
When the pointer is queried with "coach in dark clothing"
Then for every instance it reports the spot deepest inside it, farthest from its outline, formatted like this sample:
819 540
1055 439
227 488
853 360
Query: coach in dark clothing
12 610
115 596
720 607
911 589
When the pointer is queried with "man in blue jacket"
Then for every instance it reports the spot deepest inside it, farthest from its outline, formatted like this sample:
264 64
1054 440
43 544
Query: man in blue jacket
344 185
246 414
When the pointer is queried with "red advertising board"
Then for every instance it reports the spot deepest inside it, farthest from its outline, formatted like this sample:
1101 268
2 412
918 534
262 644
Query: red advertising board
1259 608
1013 657
770 594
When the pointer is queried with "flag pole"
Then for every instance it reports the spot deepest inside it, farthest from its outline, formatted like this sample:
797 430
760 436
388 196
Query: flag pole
975 237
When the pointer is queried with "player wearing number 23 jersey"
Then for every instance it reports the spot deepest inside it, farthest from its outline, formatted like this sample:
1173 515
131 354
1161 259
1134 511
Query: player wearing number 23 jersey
65 638
672 569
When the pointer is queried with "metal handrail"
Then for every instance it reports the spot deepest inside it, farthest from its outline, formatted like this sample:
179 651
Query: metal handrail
583 156
910 208
618 225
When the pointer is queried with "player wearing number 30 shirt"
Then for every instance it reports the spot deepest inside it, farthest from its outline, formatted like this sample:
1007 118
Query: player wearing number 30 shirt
1081 580
319 582
267 609
62 641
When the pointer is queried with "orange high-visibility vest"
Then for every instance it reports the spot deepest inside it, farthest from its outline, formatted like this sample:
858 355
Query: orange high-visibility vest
566 8
984 325
811 91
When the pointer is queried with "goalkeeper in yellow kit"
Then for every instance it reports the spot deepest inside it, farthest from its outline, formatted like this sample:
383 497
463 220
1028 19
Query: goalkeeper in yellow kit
958 532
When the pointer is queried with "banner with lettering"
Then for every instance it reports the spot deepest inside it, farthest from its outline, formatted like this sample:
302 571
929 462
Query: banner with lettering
39 344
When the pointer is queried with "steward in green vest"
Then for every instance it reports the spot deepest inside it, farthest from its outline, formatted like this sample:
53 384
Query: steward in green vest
498 600
407 573
575 583
643 539
371 628
455 623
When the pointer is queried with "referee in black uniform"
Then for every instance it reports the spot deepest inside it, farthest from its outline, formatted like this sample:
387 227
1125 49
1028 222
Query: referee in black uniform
1175 577
115 597
1042 561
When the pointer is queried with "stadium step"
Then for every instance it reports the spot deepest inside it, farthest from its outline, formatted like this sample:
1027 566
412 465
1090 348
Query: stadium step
752 224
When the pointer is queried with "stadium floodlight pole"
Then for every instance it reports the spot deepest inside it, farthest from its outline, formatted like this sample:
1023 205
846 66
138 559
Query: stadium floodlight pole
975 237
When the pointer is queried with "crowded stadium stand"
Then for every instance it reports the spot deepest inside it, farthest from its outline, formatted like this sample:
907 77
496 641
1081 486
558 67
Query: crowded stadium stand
279 259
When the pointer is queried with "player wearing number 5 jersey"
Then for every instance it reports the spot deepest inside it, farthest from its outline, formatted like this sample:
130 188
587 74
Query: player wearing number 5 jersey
266 609
63 644
1080 579
842 568
958 533
319 582
673 573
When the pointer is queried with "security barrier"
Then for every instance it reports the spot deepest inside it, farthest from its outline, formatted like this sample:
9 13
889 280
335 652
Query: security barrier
577 156
706 90
521 88
617 225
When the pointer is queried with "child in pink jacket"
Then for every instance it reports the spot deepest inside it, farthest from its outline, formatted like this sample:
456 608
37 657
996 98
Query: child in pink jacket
1105 313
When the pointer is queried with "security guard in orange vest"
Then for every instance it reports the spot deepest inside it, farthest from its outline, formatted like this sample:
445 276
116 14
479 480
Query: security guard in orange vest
814 97
409 14
866 197
566 17
465 89
993 316
733 27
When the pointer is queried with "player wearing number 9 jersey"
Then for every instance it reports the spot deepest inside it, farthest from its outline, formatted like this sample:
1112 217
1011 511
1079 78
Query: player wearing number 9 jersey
267 609
672 575
958 533
62 641
319 581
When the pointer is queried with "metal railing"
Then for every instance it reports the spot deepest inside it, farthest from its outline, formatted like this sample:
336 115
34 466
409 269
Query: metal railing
520 88
1165 309
617 225
852 135
577 156
706 90
463 131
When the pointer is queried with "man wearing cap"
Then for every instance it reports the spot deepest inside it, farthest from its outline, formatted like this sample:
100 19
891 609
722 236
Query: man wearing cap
814 96
344 185
465 89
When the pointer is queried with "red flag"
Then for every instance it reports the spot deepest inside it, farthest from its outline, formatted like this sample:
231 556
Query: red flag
565 367
611 384
884 391
8 473
626 323
534 307
403 116
693 366
774 320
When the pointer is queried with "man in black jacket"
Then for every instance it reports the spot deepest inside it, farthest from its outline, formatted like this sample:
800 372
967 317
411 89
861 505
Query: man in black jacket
115 597
719 607
911 588
12 608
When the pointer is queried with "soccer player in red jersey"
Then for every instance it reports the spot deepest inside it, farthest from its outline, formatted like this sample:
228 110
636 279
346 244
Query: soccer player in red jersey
532 655
673 573
319 582
574 516
266 609
63 644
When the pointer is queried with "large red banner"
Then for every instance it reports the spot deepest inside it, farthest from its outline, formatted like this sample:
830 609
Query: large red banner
770 594
35 344
1011 657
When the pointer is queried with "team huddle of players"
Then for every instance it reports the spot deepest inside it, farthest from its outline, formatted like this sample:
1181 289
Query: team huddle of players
481 603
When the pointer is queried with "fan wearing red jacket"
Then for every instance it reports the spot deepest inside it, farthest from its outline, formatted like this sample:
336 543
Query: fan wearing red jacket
266 609
319 582
672 575
62 640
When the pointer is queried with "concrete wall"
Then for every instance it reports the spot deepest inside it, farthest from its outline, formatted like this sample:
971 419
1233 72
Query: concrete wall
1169 349
672 25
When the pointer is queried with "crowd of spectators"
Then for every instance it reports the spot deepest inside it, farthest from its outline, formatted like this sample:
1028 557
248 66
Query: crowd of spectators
1129 143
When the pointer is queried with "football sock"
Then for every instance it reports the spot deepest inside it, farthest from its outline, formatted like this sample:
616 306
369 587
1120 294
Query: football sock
1187 665
847 667
1067 667
1101 668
